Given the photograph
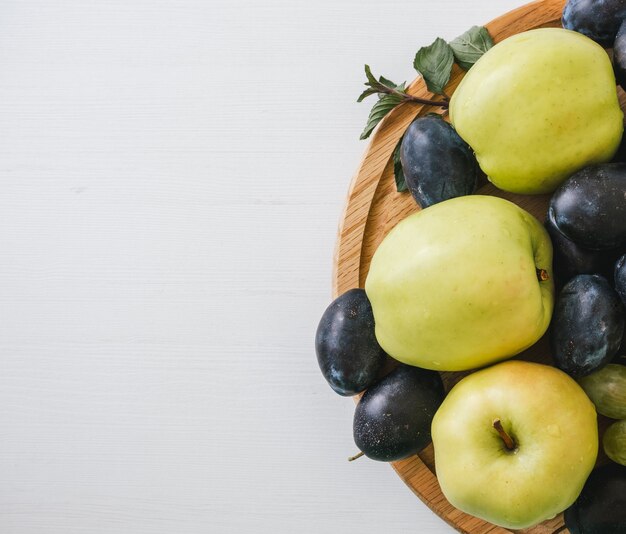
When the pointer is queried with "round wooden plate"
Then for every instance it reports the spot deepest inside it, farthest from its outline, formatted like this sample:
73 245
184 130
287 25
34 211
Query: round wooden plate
374 207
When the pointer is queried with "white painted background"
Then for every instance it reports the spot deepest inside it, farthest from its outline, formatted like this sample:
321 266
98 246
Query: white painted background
172 173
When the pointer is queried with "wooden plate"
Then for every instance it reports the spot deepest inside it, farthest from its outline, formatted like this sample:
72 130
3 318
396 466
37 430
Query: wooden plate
374 207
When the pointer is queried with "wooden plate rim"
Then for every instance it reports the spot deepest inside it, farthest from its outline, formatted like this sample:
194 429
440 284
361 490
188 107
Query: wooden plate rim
348 251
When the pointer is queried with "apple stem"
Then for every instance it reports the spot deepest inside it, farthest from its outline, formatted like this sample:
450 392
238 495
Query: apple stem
561 529
508 442
356 456
542 275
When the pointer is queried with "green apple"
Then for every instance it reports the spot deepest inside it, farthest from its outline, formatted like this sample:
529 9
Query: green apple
537 107
515 443
462 284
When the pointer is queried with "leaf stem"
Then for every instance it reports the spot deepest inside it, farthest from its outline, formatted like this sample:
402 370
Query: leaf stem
410 98
441 103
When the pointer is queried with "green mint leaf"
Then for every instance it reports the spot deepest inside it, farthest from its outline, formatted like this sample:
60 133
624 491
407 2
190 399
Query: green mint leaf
382 86
388 83
469 47
434 63
389 94
397 88
371 81
380 109
397 169
401 88
367 93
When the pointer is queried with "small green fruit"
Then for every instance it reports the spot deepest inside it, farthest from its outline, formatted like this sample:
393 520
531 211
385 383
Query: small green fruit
607 390
614 442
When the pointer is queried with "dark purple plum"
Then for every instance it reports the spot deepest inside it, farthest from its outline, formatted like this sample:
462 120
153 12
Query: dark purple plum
589 208
601 506
620 278
597 19
392 420
620 358
347 351
620 155
571 259
619 62
437 164
587 325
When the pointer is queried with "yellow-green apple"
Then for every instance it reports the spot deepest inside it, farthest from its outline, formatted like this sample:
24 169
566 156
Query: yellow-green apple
515 443
537 107
462 284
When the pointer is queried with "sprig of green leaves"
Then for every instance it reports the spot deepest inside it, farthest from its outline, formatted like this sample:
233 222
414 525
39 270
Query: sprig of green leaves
384 105
381 86
469 47
434 64
389 96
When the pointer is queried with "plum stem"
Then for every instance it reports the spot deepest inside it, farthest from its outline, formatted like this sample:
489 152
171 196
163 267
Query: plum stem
542 275
508 442
356 456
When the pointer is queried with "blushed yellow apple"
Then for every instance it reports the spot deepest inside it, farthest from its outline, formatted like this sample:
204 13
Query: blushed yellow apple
462 284
537 107
515 443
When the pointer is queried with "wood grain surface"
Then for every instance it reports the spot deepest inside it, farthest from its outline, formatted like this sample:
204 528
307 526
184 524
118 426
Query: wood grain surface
172 174
374 207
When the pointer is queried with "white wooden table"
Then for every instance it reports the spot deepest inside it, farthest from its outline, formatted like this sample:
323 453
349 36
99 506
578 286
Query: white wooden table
172 173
